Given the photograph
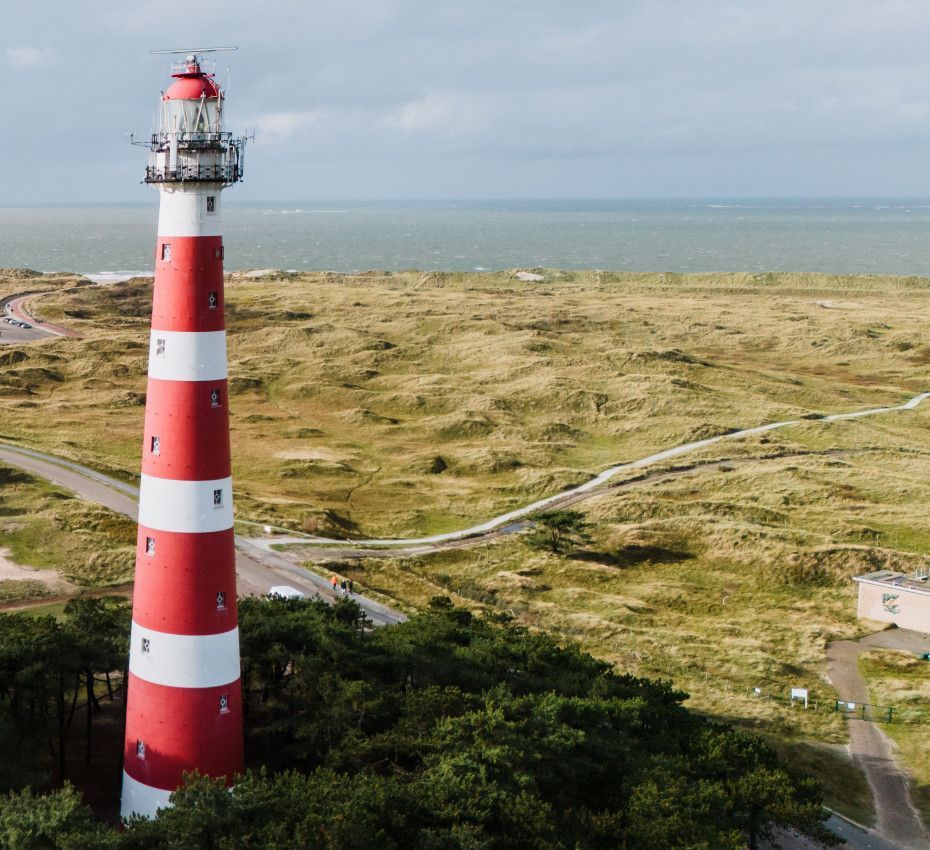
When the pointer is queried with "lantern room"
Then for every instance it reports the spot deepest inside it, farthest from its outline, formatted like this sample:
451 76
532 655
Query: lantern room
191 108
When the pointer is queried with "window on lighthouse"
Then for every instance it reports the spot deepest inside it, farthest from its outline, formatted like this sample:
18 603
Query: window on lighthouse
224 704
214 397
211 204
165 251
156 446
159 347
140 748
218 252
217 498
213 299
146 644
150 546
221 600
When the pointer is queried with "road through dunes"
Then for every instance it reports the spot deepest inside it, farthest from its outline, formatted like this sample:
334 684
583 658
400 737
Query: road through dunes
13 307
256 571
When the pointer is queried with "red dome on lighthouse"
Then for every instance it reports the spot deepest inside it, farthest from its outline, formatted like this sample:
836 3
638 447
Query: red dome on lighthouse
192 87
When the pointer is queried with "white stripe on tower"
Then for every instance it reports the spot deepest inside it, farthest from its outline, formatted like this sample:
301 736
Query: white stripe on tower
184 705
186 506
186 356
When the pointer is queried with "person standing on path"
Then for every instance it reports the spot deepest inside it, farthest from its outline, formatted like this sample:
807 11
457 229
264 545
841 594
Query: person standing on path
351 587
345 588
334 581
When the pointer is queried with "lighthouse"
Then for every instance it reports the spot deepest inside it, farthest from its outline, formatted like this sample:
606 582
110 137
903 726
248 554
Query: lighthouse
184 704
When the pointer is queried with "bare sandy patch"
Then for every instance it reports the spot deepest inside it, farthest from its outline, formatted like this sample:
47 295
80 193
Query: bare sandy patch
11 571
830 304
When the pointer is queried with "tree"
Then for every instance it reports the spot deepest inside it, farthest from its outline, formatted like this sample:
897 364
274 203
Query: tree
55 821
446 732
559 531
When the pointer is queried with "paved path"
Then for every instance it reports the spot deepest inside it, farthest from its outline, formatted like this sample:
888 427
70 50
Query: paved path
589 487
897 820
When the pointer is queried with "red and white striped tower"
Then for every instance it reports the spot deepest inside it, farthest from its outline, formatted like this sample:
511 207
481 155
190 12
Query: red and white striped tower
184 706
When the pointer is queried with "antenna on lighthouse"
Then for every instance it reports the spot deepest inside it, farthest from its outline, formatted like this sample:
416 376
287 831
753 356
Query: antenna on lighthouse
194 50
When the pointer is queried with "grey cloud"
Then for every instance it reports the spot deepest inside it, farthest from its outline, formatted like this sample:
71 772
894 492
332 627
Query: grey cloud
368 98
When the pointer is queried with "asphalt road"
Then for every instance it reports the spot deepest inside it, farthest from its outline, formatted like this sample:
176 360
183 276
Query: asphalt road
12 307
256 570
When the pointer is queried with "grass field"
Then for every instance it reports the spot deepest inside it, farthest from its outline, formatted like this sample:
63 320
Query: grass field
45 527
404 404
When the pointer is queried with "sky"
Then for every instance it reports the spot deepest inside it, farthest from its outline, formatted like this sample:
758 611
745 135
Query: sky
403 99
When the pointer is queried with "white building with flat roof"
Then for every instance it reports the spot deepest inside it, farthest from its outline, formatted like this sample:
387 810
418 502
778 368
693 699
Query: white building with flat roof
891 597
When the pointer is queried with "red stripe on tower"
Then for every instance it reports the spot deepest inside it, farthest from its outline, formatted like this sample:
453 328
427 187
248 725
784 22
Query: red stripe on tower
184 706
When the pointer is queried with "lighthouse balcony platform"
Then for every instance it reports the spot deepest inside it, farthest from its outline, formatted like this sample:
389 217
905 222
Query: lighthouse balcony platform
229 173
195 141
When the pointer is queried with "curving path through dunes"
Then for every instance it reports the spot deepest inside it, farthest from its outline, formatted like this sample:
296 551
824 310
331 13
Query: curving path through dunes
594 484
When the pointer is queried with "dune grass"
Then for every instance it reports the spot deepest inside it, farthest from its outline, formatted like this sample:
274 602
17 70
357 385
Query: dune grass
45 527
407 404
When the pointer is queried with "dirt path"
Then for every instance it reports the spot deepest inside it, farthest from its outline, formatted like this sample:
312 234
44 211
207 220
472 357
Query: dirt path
898 820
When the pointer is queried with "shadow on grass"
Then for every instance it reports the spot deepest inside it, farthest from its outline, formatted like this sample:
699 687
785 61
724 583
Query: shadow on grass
633 555
844 786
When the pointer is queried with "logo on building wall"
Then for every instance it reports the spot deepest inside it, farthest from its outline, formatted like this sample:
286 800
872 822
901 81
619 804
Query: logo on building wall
889 603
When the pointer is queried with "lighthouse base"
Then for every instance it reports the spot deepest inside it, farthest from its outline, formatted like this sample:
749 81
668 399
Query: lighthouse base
140 799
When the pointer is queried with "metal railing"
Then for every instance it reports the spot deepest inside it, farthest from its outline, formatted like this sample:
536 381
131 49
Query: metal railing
229 173
194 141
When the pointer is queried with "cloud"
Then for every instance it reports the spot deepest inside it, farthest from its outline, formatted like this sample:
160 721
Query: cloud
24 58
282 126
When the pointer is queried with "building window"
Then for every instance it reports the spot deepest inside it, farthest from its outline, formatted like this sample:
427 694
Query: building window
159 347
215 397
221 600
156 446
213 299
146 644
150 546
217 498
211 204
165 251
218 252
224 704
140 748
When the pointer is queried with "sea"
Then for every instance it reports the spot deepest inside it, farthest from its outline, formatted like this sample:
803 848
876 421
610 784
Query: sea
839 236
